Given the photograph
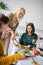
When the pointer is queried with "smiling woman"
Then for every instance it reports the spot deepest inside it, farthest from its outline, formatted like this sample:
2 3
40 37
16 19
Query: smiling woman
29 36
15 17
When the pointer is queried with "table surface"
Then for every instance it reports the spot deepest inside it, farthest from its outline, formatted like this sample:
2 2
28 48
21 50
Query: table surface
28 61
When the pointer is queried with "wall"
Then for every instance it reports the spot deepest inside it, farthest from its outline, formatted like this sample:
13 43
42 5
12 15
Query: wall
34 12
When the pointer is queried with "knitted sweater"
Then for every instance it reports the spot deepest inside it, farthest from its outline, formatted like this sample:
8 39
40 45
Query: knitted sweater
7 60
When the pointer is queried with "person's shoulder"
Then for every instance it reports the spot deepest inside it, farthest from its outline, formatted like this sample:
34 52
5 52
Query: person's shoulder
35 34
24 34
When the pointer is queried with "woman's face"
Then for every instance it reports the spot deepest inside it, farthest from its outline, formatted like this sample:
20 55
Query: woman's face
29 29
21 13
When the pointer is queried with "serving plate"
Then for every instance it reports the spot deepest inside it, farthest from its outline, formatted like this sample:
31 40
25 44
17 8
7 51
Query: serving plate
27 53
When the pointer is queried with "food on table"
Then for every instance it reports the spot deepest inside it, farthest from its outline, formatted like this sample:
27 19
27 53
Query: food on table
36 52
26 51
35 63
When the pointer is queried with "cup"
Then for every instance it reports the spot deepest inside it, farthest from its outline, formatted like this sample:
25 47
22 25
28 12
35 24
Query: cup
39 44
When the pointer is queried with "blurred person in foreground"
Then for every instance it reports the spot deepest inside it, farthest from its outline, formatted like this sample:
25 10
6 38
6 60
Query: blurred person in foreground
7 60
6 32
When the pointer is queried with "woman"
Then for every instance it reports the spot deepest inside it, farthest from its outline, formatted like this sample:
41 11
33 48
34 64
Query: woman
7 60
7 32
29 37
15 17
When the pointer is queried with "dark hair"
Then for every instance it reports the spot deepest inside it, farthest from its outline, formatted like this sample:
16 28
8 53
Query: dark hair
4 19
32 25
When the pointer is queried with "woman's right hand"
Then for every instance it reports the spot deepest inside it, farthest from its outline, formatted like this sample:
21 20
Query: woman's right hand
23 55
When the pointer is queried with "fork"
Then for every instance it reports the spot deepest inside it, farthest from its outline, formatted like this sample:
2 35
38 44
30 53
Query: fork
33 59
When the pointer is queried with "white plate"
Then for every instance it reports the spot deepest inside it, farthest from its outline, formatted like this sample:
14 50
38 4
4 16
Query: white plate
31 53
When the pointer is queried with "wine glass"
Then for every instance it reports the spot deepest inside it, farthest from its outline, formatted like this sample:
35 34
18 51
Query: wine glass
34 43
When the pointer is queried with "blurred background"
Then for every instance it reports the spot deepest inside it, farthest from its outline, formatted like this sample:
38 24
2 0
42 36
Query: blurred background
34 13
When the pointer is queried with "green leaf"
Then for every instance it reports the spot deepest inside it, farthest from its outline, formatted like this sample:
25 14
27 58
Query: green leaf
3 5
26 51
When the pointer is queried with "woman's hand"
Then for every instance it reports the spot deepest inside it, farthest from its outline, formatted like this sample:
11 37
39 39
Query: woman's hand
23 55
29 46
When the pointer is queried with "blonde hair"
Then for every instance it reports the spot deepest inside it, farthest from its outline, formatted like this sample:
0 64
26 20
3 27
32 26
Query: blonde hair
22 9
20 12
1 48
